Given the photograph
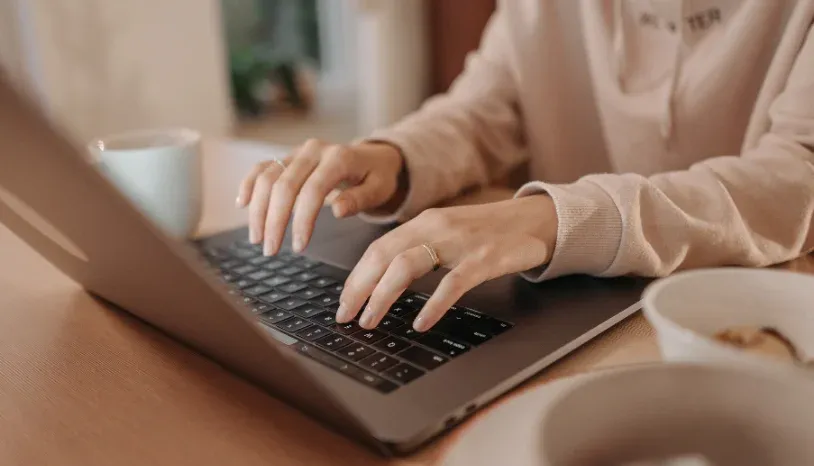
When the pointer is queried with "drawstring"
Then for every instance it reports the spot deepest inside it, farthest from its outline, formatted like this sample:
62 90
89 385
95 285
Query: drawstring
619 56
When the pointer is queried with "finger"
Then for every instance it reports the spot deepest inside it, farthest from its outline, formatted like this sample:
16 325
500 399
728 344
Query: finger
334 166
403 270
369 270
284 193
258 206
244 191
360 198
467 275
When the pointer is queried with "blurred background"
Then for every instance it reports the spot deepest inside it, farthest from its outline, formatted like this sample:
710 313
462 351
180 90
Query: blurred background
278 71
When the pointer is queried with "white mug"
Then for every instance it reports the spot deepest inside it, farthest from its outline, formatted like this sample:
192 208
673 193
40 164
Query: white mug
160 171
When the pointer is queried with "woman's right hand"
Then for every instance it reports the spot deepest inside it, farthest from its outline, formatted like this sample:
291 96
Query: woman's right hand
369 174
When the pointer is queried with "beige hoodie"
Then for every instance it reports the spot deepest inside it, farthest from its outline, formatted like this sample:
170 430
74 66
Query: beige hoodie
670 134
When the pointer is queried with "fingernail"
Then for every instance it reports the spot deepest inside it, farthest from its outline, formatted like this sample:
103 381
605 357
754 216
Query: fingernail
420 324
340 209
299 243
254 238
343 313
239 202
268 248
367 318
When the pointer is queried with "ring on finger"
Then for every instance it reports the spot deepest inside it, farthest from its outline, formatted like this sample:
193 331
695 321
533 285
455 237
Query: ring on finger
280 163
436 261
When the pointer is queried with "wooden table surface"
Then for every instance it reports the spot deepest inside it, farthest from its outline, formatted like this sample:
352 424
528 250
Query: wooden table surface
81 384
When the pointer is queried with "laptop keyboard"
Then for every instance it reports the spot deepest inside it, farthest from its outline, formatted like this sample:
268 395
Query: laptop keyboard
299 297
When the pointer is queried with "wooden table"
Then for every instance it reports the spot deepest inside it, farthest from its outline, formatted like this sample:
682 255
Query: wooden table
81 384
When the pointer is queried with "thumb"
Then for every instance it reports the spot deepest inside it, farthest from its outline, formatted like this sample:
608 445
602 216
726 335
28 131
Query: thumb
367 195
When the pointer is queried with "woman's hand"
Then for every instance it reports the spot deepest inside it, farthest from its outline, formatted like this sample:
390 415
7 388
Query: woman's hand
307 176
477 242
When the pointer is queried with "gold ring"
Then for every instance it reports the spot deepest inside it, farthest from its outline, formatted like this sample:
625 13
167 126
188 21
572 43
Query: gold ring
280 163
436 262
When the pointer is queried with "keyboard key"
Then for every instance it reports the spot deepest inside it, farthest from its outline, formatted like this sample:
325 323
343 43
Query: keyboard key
243 283
399 310
244 244
378 362
276 281
334 342
335 289
346 329
291 287
243 253
444 345
289 303
229 277
275 316
391 345
290 270
313 333
215 253
355 351
273 297
422 358
286 256
244 269
307 263
496 327
322 282
328 319
305 276
407 332
293 324
230 264
274 264
479 321
260 308
326 300
310 293
391 323
404 373
259 260
412 300
307 311
256 290
369 336
470 335
260 275
350 370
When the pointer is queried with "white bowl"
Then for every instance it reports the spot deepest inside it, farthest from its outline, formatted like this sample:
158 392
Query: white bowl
744 415
688 308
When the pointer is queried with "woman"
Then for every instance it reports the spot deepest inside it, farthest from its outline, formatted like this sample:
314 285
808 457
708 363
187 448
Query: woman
703 110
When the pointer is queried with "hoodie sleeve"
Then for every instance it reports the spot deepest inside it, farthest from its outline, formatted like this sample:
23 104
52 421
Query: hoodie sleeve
754 209
465 137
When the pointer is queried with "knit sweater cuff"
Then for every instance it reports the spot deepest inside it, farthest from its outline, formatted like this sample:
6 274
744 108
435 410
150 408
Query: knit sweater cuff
589 230
414 201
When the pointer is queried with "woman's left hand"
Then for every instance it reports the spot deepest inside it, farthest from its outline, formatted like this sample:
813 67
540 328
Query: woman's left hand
477 243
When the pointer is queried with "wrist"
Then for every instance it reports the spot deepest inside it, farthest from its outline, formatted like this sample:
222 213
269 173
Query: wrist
539 214
394 171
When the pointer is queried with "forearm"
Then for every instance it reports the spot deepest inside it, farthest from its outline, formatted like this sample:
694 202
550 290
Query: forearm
751 210
465 137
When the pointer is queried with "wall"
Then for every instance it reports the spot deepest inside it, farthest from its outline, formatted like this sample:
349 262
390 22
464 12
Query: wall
393 60
11 56
107 66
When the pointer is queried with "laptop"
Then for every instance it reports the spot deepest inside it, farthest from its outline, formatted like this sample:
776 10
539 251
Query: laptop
271 319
